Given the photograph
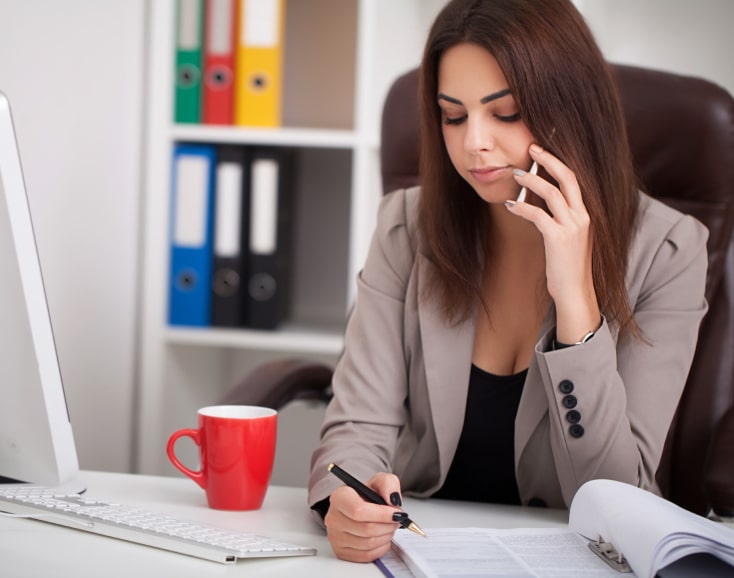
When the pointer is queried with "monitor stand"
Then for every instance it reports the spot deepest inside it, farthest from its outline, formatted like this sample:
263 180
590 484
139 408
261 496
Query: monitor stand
73 486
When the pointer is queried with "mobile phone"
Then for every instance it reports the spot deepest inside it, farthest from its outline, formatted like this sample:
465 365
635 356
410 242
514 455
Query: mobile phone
524 191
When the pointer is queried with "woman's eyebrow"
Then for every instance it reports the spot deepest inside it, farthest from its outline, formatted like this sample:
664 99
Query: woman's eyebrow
495 95
483 100
442 96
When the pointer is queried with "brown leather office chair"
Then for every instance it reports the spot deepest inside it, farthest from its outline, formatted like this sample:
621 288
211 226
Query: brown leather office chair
681 132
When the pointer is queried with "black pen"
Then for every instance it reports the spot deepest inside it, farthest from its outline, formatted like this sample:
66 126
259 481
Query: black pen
371 496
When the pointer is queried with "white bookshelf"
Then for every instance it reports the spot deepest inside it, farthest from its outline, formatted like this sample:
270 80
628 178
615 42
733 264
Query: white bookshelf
340 58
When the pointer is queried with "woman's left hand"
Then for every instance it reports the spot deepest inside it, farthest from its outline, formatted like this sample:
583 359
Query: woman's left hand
566 231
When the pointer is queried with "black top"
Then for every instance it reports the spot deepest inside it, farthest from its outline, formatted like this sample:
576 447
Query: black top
483 469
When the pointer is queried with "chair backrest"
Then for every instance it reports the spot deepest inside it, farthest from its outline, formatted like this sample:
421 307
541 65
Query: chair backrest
681 131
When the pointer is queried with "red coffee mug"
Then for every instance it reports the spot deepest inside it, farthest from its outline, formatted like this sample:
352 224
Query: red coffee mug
236 449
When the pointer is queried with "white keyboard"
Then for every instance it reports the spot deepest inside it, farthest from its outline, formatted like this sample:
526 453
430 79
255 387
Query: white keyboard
142 526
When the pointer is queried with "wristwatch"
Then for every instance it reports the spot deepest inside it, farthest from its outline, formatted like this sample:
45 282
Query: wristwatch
558 345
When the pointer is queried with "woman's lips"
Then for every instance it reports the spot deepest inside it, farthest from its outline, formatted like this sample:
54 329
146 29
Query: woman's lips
488 174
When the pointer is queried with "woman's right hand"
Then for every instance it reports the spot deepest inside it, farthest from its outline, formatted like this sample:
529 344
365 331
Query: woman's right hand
568 241
357 530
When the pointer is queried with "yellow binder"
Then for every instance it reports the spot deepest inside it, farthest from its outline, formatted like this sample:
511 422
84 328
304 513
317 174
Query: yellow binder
259 67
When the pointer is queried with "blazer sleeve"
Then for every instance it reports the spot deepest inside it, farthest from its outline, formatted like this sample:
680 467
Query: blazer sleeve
364 418
625 392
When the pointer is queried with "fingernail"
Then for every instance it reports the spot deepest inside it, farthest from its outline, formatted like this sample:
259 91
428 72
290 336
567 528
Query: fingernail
399 516
395 499
536 149
509 203
519 172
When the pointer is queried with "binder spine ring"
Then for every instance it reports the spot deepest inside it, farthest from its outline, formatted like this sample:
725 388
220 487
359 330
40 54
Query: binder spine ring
226 282
219 78
259 82
262 287
607 552
186 280
188 76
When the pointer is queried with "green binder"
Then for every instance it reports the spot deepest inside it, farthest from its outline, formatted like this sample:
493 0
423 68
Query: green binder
189 43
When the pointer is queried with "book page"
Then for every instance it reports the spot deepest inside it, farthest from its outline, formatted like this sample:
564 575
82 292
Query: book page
649 531
392 566
519 553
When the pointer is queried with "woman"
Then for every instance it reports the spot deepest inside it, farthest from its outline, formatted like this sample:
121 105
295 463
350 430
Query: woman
501 349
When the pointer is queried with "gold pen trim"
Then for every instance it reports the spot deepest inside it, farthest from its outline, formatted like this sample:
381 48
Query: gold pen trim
413 527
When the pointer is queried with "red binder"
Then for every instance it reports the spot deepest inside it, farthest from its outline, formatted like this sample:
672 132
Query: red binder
220 39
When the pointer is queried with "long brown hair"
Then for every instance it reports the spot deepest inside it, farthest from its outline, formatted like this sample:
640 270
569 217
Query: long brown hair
568 100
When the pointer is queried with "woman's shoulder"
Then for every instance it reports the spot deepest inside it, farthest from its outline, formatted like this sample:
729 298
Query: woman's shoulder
393 249
400 207
668 244
660 223
398 214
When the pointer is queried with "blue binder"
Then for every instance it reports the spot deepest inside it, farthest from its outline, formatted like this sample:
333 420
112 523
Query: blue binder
192 210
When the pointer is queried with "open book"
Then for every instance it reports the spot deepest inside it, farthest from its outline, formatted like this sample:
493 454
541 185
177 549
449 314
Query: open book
613 527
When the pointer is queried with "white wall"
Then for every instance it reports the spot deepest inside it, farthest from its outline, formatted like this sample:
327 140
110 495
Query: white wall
73 72
693 38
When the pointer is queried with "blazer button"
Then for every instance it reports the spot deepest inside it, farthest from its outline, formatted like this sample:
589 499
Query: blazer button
537 503
576 430
566 386
573 416
569 401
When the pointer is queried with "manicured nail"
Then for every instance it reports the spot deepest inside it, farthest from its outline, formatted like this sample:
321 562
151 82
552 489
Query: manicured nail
395 499
509 204
399 516
519 172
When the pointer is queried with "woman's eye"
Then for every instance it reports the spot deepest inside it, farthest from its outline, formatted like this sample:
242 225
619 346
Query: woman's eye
454 119
509 117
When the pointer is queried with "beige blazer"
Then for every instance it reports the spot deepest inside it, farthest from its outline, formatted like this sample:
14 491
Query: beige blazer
400 387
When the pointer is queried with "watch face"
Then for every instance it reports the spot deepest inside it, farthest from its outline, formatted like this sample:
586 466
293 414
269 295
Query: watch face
586 337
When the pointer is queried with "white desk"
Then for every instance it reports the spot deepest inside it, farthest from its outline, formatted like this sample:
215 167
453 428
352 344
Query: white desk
30 548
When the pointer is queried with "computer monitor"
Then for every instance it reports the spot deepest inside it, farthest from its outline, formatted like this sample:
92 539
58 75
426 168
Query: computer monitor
36 439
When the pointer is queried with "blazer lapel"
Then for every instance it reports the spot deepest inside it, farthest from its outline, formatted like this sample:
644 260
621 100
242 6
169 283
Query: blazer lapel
534 401
447 351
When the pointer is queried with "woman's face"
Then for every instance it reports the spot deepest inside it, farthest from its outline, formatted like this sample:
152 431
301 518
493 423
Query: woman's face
485 137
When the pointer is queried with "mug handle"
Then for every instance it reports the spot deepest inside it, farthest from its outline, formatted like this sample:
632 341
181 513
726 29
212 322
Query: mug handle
199 477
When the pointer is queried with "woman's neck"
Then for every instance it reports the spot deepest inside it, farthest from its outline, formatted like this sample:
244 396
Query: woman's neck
510 234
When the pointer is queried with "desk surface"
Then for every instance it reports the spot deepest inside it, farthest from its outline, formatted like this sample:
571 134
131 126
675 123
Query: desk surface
29 548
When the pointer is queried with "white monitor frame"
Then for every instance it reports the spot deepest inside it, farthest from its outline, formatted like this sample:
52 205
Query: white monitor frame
36 439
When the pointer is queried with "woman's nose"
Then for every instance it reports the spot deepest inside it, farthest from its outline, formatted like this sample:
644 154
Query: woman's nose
478 137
